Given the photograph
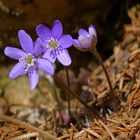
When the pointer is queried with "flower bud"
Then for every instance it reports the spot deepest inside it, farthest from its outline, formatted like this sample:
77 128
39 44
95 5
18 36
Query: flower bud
87 40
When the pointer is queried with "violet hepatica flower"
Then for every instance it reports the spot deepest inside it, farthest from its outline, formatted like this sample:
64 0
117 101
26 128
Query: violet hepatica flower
87 40
55 44
29 59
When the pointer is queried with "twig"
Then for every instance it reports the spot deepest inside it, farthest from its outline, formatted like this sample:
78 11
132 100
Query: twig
45 135
24 136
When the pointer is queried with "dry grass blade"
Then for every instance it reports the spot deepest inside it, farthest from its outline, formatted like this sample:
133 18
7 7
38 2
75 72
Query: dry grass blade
107 129
137 115
79 134
25 136
92 133
45 135
123 124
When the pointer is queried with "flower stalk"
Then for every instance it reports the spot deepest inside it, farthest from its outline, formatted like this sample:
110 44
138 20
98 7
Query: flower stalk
68 95
87 41
69 91
94 51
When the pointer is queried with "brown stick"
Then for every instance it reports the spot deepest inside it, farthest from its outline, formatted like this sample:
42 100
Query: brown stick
44 135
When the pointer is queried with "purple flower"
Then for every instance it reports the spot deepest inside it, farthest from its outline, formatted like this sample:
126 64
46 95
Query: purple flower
29 61
55 43
87 39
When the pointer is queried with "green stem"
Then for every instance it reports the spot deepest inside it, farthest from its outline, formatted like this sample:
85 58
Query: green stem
58 103
68 96
107 76
69 91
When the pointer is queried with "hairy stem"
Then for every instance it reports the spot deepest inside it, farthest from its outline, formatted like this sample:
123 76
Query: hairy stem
107 76
58 102
69 91
68 96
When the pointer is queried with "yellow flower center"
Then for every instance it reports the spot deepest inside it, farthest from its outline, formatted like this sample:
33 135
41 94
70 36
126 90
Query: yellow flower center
53 44
29 59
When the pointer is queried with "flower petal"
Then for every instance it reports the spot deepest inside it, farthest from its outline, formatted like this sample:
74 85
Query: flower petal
25 41
17 71
14 53
33 77
83 32
43 31
85 42
64 57
48 55
92 31
57 29
66 41
76 43
38 48
46 66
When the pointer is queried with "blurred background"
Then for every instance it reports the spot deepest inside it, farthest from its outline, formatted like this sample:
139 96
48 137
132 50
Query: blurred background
108 16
